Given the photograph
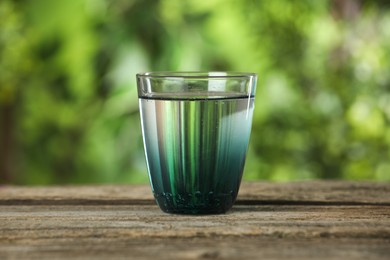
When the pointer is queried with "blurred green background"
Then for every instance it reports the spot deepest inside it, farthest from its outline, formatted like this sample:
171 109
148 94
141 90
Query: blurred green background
68 100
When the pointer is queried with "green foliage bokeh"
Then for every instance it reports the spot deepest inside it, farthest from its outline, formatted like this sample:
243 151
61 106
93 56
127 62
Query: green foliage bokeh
68 99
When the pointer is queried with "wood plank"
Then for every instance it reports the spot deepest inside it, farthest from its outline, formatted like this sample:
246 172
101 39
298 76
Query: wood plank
310 192
271 231
197 248
35 222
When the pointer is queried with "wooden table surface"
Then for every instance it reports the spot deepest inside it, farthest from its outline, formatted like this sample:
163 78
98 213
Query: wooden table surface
304 220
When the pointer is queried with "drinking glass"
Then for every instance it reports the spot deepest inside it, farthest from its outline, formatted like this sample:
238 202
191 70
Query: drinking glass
196 128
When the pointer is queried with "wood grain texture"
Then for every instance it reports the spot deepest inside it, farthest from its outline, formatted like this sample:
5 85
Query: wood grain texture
310 192
321 220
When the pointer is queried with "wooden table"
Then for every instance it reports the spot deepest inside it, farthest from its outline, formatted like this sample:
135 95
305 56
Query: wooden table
305 220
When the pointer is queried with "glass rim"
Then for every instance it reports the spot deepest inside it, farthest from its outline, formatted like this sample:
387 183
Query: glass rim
196 74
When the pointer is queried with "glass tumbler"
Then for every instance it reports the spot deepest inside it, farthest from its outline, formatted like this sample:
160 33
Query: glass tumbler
196 128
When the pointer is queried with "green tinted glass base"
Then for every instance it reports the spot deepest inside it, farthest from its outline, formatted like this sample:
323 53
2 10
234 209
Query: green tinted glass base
197 203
